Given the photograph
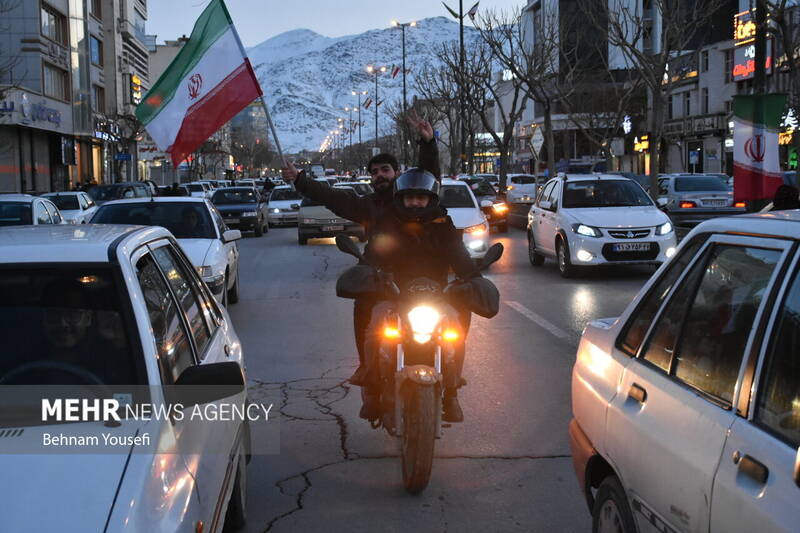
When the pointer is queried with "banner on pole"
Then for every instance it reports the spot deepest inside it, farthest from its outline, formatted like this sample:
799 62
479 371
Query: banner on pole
756 163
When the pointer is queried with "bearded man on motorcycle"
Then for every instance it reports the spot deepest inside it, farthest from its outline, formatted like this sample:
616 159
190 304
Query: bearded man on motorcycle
415 240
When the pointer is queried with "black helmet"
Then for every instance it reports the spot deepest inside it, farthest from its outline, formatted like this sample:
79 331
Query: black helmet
417 181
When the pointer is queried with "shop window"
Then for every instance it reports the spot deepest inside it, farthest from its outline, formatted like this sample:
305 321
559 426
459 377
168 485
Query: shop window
96 50
54 25
55 82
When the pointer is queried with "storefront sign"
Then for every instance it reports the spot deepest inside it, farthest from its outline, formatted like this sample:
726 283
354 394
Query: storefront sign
136 89
627 124
744 35
30 111
642 145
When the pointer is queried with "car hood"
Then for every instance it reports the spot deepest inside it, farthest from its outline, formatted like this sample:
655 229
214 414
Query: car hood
464 217
618 217
237 208
317 211
56 492
197 249
283 204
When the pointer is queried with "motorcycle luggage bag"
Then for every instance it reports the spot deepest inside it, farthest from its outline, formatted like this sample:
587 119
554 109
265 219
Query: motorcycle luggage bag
485 298
358 281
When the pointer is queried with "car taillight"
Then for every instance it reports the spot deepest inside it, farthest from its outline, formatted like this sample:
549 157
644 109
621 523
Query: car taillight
740 204
687 205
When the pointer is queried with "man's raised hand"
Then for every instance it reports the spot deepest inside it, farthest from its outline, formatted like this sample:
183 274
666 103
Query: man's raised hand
289 173
422 126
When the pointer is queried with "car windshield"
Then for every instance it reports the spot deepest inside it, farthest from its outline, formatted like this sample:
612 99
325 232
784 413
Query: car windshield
308 202
604 193
454 196
700 183
104 193
522 180
481 187
15 214
234 196
281 195
195 187
185 220
66 202
64 326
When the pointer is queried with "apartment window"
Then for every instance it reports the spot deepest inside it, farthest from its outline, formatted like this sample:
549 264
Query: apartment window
704 61
670 113
97 8
98 99
704 99
54 25
687 103
96 50
728 66
55 82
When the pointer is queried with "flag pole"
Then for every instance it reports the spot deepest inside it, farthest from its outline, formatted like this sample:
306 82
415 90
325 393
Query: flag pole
272 129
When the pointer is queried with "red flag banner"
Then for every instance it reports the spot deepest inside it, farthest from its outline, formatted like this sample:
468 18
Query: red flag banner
395 71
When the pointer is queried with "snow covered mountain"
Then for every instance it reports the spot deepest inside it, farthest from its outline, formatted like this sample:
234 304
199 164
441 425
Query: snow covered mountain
308 78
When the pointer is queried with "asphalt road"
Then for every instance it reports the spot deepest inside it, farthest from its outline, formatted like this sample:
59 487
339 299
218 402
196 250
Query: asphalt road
506 468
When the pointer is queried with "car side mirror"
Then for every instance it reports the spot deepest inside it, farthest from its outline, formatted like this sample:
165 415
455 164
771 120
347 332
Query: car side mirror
486 203
231 235
546 205
200 384
662 202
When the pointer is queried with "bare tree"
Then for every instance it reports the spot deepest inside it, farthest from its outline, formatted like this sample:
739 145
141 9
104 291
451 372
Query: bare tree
439 105
129 131
250 147
7 60
646 40
489 97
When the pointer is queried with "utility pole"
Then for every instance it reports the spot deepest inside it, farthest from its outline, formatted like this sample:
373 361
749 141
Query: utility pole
402 26
358 94
376 71
461 87
759 77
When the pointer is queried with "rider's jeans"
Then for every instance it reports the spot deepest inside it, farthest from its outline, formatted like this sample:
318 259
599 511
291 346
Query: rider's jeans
383 313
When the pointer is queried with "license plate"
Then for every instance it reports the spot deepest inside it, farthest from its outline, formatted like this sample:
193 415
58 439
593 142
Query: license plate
232 220
631 247
716 203
332 228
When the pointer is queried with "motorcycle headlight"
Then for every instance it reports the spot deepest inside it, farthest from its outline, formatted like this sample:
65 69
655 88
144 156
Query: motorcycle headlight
664 228
586 231
424 320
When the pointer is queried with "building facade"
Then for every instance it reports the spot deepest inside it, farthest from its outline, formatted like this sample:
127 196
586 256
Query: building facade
70 79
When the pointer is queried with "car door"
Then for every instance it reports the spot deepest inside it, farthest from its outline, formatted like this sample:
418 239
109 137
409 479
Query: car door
667 424
55 214
40 214
756 486
231 249
548 225
538 214
207 448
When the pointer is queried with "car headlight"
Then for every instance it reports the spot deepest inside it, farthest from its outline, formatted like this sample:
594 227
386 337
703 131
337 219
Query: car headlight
249 214
204 271
476 230
424 320
276 210
664 228
499 208
309 221
586 231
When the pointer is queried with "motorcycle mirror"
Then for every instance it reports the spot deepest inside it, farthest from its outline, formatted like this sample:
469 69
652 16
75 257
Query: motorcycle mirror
346 245
493 254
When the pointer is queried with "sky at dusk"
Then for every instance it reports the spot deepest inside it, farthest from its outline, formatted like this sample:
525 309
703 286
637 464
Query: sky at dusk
258 20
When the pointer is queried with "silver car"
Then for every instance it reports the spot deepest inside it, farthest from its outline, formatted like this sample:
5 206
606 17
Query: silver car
692 198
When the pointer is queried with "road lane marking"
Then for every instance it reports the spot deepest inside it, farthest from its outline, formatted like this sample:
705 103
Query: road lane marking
541 321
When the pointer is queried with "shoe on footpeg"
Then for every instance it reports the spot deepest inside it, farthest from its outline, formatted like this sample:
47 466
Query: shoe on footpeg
451 410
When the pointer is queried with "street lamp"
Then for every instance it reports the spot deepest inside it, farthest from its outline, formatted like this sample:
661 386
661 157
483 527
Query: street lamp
359 94
403 26
376 71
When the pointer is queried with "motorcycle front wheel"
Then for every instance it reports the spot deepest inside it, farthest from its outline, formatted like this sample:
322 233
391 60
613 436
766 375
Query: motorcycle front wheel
419 434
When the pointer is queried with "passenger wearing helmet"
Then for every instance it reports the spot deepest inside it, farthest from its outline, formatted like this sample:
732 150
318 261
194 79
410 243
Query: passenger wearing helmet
415 239
364 210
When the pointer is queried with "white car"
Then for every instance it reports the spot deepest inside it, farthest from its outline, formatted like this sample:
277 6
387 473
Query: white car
197 189
245 183
686 410
463 208
75 207
521 188
120 309
200 230
283 206
593 219
26 210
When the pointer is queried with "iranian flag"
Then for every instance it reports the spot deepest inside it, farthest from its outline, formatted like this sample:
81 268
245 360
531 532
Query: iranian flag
209 82
756 167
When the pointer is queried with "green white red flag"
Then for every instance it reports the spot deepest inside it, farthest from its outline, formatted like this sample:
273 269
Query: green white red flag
756 163
207 84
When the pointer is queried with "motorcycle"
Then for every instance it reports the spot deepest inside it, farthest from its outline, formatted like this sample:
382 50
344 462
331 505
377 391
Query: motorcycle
419 333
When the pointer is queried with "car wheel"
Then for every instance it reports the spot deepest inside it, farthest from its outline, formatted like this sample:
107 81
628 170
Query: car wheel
302 241
233 294
611 513
534 257
236 515
564 265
